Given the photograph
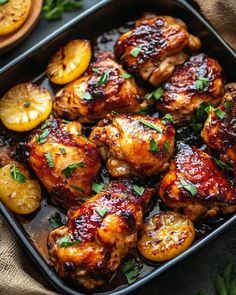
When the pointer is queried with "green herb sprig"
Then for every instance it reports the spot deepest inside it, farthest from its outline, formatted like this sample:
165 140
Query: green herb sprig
17 175
53 9
131 270
56 221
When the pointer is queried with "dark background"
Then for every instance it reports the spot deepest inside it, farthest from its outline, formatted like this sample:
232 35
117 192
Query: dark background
197 272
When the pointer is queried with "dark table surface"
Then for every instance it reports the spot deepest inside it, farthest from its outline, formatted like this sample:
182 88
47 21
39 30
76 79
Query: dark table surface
197 272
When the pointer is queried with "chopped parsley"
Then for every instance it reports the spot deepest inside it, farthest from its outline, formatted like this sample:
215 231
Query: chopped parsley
209 109
150 125
56 221
149 95
228 104
96 70
222 164
131 270
41 138
45 125
158 93
153 145
78 188
27 104
138 189
67 171
66 241
167 147
189 187
49 159
103 79
201 83
97 187
17 175
220 114
168 118
102 212
63 151
126 75
135 51
86 96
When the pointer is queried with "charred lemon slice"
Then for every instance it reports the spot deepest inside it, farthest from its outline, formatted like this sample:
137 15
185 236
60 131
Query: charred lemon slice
18 191
13 14
69 62
165 236
25 106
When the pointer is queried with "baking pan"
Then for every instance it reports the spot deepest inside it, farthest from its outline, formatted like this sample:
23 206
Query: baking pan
31 65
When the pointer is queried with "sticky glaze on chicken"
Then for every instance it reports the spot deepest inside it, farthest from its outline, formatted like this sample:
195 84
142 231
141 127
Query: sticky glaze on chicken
155 47
196 186
103 231
134 145
66 162
102 89
198 80
219 131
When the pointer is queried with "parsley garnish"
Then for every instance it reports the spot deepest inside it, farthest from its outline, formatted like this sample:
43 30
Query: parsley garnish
67 171
167 147
103 79
149 95
222 164
135 51
150 125
86 96
3 2
17 175
49 159
78 188
43 136
63 151
56 220
209 109
102 212
96 70
189 187
158 93
131 270
220 114
201 83
45 125
168 118
27 104
54 9
97 187
126 75
66 241
228 104
153 145
138 189
200 116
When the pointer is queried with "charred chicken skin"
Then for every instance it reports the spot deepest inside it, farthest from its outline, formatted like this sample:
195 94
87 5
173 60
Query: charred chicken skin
198 80
66 162
104 88
219 131
196 186
153 49
99 234
134 144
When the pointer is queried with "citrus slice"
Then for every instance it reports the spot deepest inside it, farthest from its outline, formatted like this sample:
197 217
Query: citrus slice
13 14
69 62
25 106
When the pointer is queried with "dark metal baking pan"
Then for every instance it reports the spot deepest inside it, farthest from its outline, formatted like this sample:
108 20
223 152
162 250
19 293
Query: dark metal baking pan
100 18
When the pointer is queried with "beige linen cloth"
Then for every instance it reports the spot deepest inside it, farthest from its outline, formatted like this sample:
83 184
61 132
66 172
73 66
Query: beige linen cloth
18 274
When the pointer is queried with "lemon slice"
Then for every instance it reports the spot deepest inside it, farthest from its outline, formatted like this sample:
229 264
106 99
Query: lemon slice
13 14
69 62
25 106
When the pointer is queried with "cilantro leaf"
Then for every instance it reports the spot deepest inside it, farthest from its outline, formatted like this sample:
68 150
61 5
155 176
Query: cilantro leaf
150 125
49 159
102 212
167 147
153 145
201 83
228 104
135 51
103 79
17 175
220 285
138 189
67 171
66 241
168 118
131 270
189 187
54 9
56 221
158 93
97 187
43 136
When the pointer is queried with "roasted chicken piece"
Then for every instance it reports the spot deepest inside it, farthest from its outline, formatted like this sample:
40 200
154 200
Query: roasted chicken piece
196 186
219 131
98 234
153 49
104 88
134 144
64 160
198 80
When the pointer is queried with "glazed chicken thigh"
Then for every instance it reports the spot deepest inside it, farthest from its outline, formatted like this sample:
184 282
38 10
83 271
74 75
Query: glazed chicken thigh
153 49
104 88
198 80
196 186
219 131
66 162
134 144
99 234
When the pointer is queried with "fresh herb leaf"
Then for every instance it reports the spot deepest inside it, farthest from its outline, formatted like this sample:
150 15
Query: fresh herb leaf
66 241
209 109
150 125
3 2
97 187
102 212
228 104
86 96
149 95
126 75
168 118
131 270
67 171
27 104
78 188
17 175
103 79
63 151
56 221
54 9
153 145
220 285
41 138
46 124
201 83
158 93
200 116
49 159
227 275
222 164
220 114
135 51
138 189
167 147
189 187
96 70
